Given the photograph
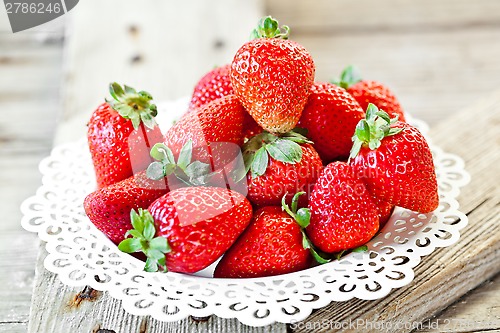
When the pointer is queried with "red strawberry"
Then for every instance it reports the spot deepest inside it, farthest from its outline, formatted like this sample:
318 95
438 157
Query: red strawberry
250 127
272 77
280 166
272 244
193 227
213 85
121 133
385 210
109 207
343 214
366 92
216 131
331 116
395 162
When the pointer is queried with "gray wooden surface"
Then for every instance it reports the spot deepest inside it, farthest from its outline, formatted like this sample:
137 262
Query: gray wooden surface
442 58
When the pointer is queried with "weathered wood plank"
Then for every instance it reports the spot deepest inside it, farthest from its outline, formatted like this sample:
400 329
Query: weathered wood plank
30 75
477 311
162 47
434 75
479 61
394 16
445 275
53 312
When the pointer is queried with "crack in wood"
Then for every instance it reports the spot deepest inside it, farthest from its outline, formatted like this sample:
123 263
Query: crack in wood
477 206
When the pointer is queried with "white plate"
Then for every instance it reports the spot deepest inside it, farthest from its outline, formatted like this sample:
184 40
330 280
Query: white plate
81 255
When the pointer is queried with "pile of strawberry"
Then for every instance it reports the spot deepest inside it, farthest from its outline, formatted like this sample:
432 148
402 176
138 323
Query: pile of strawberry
267 166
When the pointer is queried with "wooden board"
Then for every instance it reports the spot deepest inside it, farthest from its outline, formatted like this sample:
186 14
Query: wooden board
431 53
31 62
29 81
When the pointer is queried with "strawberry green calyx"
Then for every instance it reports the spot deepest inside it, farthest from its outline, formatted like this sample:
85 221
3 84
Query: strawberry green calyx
144 240
284 148
371 130
303 216
133 105
193 173
349 76
268 27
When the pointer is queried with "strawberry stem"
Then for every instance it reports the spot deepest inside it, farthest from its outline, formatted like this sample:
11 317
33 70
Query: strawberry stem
284 148
194 173
143 240
133 105
303 217
268 27
371 130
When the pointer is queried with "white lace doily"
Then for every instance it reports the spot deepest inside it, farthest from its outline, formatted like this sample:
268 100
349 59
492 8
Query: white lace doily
81 255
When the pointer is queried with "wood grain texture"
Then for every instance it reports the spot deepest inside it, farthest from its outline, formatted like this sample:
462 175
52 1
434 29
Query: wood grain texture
52 311
162 46
477 311
438 56
30 74
395 16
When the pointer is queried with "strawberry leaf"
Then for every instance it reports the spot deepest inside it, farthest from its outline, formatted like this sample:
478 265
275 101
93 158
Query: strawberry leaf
340 254
133 105
268 27
149 231
372 130
129 90
136 221
143 241
160 243
185 155
134 233
349 76
285 151
363 130
161 152
130 245
151 265
371 111
155 171
154 254
306 244
260 161
296 136
116 91
361 249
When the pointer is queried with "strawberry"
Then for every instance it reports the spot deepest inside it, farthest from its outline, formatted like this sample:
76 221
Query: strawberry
330 117
109 207
216 131
213 85
193 227
395 162
250 127
280 166
384 210
121 133
272 244
272 77
343 214
365 92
